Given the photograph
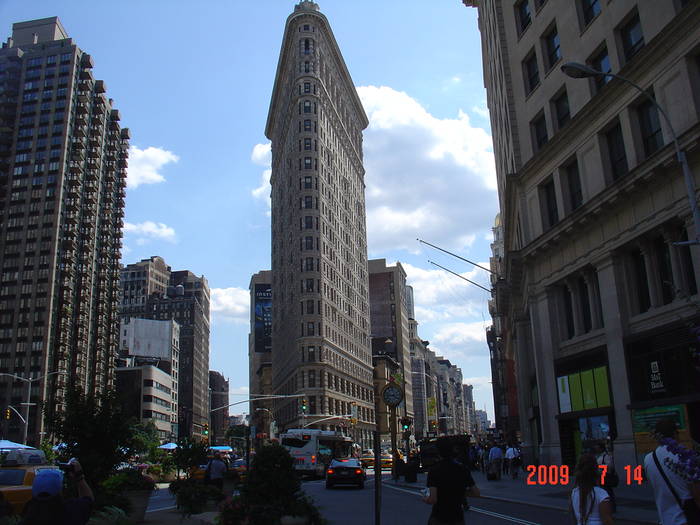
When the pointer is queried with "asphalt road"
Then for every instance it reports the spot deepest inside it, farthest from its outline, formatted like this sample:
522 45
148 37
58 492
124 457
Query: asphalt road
403 506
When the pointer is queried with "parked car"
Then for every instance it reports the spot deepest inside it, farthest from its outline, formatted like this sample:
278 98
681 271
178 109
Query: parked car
346 471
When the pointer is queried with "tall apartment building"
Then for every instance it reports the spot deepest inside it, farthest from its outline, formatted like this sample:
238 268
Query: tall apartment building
389 321
451 420
320 336
598 303
260 350
63 159
218 417
151 290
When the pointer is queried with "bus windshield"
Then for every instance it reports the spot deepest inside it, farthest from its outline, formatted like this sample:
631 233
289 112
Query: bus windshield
294 442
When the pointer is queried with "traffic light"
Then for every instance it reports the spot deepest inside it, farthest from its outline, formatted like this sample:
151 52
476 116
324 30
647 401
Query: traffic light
8 413
206 429
405 423
304 405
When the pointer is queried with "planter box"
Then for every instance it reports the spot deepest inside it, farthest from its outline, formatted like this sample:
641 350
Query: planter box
139 504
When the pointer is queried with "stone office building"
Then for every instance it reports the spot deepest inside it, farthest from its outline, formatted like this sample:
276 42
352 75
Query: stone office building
598 301
321 332
63 159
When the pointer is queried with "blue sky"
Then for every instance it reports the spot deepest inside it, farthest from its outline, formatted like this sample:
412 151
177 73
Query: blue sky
193 84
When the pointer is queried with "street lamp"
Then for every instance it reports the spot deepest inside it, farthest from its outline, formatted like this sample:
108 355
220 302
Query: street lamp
27 403
577 70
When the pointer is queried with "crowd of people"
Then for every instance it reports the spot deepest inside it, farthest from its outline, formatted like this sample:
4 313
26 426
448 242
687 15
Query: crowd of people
672 471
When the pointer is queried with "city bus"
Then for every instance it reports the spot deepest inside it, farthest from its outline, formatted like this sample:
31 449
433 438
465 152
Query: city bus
313 449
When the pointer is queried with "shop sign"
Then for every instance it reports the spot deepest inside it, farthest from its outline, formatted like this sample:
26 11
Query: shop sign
656 378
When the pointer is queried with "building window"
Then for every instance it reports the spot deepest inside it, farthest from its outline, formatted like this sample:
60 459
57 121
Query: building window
531 72
573 181
307 145
616 151
640 282
632 37
663 260
585 304
568 305
601 62
312 373
548 203
307 125
552 45
309 243
539 132
561 109
650 127
307 106
522 15
307 163
309 283
309 264
308 202
308 222
590 9
310 310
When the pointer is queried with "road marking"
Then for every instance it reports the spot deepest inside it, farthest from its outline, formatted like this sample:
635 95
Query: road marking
471 508
164 508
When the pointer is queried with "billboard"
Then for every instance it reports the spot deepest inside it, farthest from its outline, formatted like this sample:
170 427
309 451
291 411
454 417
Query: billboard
263 317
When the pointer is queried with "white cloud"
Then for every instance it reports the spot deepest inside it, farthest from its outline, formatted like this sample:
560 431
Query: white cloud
231 305
426 177
482 110
145 164
262 156
461 334
147 231
240 390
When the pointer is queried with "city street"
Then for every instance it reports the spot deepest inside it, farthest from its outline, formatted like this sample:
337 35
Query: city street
402 505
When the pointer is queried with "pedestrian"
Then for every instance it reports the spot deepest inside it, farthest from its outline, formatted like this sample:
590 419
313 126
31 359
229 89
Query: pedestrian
677 498
589 504
496 461
48 507
611 479
448 484
513 460
214 473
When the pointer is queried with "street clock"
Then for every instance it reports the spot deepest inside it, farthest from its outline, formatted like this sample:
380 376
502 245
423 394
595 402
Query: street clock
392 395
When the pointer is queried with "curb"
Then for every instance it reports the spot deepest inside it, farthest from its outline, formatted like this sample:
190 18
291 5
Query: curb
534 504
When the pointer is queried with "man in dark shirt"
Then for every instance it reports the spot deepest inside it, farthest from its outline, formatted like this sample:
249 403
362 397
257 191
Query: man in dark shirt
448 483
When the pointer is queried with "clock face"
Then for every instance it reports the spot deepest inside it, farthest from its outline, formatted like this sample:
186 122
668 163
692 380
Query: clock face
392 395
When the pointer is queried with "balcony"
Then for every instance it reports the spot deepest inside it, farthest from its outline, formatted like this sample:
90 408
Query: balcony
94 142
81 109
100 86
87 75
76 168
80 131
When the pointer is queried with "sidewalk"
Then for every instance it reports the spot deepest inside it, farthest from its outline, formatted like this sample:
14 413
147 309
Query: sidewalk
634 503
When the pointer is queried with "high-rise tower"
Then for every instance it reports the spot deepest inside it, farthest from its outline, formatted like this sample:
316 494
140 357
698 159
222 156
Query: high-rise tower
62 188
150 290
320 329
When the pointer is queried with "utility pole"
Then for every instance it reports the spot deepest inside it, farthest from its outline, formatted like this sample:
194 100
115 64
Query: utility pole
377 478
394 470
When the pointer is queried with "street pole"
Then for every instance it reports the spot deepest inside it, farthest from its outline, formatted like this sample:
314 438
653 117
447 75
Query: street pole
247 449
394 471
377 478
26 412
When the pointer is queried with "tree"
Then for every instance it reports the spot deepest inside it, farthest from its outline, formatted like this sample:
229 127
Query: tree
95 432
189 453
145 438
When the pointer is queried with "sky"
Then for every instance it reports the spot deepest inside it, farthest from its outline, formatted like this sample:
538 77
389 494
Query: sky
193 83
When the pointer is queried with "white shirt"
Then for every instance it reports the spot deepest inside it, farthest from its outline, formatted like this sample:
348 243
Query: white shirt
596 497
512 453
669 511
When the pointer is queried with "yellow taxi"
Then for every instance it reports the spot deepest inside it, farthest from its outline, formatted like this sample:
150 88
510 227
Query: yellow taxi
386 460
367 459
17 475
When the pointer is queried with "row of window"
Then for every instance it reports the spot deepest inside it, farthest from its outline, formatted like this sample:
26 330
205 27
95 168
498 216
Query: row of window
615 161
49 60
631 37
